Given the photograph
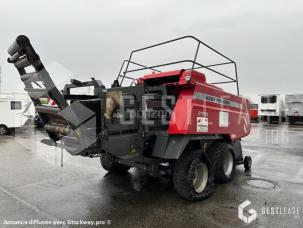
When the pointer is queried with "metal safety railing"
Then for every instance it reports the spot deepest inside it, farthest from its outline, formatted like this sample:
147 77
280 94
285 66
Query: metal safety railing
195 65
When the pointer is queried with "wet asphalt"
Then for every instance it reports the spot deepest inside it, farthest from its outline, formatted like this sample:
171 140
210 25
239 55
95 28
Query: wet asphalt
34 186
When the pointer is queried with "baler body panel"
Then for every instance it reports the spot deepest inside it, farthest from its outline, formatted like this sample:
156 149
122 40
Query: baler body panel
205 109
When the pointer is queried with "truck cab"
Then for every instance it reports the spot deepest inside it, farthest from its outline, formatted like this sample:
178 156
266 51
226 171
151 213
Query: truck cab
271 108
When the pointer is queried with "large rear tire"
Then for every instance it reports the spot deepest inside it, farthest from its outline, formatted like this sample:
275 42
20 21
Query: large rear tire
193 176
224 162
110 164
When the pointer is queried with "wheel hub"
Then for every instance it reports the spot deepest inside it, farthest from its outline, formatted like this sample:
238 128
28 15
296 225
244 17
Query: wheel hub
2 130
201 177
228 163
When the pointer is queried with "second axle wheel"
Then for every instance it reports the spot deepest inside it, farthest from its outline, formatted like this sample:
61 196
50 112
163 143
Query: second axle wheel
224 161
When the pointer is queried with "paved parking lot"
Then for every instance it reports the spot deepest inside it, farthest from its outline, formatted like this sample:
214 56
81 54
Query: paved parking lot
33 185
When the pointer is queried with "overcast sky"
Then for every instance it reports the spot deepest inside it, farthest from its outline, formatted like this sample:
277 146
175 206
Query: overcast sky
81 39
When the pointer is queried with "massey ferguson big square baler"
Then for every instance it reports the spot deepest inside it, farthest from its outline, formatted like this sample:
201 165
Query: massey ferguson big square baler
173 124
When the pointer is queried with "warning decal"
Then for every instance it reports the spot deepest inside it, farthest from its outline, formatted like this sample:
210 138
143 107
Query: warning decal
202 124
223 119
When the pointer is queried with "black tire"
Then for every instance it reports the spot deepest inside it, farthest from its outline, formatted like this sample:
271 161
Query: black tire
219 152
185 172
3 130
247 163
110 164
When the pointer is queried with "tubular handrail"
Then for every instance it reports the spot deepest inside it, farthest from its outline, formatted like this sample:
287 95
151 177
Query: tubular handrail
138 64
178 62
194 62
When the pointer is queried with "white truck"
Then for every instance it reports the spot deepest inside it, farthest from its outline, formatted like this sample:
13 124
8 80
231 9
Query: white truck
294 108
271 108
15 111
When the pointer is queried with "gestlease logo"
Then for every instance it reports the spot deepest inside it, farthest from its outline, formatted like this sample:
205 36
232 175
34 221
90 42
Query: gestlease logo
252 212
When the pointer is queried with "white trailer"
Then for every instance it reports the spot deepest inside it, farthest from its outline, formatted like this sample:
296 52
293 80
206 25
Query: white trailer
271 108
15 111
294 108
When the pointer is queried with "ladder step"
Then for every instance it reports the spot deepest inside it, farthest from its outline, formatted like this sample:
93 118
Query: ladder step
14 57
30 77
22 62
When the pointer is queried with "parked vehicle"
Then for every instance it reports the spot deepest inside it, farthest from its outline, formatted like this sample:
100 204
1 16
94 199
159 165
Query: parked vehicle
170 123
15 111
254 114
271 108
294 108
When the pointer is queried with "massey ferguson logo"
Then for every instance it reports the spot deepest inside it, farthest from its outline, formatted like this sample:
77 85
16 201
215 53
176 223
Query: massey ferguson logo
252 212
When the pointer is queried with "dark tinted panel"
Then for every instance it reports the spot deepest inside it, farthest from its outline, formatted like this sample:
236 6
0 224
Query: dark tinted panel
268 99
16 105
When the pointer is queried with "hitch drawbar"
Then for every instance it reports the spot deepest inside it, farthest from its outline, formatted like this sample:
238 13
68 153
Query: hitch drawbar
64 122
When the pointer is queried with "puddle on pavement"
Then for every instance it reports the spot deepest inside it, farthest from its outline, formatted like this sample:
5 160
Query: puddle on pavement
261 183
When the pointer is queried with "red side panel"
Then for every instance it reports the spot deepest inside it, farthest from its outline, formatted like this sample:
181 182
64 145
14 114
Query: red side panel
194 76
180 118
204 109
